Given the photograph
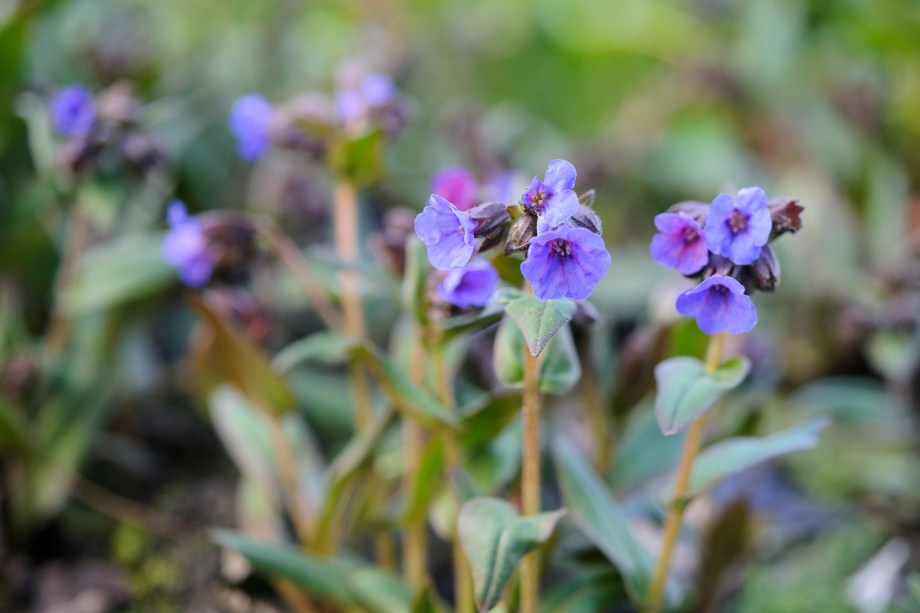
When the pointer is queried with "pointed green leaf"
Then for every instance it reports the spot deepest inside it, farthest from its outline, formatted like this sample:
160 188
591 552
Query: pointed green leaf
323 347
415 281
560 368
483 420
495 538
599 516
14 435
539 320
378 591
733 455
686 391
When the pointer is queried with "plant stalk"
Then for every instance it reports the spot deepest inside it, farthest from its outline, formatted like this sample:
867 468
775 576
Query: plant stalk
530 478
415 544
675 515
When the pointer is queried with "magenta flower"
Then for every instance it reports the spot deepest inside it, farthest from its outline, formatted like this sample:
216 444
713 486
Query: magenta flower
72 111
447 232
719 304
680 244
250 119
553 199
185 247
469 286
456 184
565 263
737 227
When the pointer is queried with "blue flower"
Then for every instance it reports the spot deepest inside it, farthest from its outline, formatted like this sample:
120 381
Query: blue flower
680 244
354 101
737 228
72 111
250 119
185 247
457 185
565 263
552 200
447 232
469 286
719 304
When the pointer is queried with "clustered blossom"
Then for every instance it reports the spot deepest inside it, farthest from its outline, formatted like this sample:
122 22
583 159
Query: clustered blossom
565 255
724 243
185 246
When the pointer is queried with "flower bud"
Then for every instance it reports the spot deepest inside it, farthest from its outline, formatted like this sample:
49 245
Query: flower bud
719 265
118 105
693 209
763 273
585 217
491 218
229 237
141 151
786 215
522 230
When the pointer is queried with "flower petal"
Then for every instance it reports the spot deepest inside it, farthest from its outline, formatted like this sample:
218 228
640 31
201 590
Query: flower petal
560 175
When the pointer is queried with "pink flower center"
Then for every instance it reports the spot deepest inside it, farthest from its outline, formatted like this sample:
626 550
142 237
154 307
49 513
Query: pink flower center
737 221
690 234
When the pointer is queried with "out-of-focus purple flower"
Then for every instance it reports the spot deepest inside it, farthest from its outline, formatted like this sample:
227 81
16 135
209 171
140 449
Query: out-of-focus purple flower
469 286
73 111
680 244
457 185
355 100
447 232
249 120
719 304
185 247
504 187
552 200
565 263
737 227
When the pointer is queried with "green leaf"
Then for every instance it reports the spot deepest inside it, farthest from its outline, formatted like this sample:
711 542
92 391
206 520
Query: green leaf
495 538
323 347
599 516
358 158
560 368
406 396
378 591
426 602
461 324
14 436
686 391
643 453
539 320
415 281
128 268
487 417
734 455
429 481
230 355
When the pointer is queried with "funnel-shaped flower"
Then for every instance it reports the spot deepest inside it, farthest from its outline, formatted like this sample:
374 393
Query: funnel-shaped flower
447 232
680 244
737 227
72 111
552 200
250 118
565 263
469 286
719 304
185 247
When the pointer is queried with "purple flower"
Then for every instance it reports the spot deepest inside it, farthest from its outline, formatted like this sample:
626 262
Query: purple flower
738 227
719 304
456 184
504 187
354 101
552 200
72 112
185 247
469 286
680 244
565 263
250 118
447 232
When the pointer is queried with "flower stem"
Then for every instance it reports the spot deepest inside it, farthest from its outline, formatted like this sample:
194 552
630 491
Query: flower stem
287 474
463 578
415 541
684 469
530 478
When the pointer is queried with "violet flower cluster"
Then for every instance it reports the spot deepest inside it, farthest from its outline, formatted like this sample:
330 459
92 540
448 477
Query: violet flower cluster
726 244
565 256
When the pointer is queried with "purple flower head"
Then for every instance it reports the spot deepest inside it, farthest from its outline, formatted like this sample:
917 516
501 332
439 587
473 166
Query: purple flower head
72 111
565 263
552 200
719 304
469 286
354 100
504 187
456 184
250 119
738 227
447 232
185 247
680 244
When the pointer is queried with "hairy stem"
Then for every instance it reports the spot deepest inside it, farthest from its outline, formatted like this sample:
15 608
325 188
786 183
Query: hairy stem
675 515
530 478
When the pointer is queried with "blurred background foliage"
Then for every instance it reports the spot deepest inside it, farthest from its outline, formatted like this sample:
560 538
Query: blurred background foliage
654 101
